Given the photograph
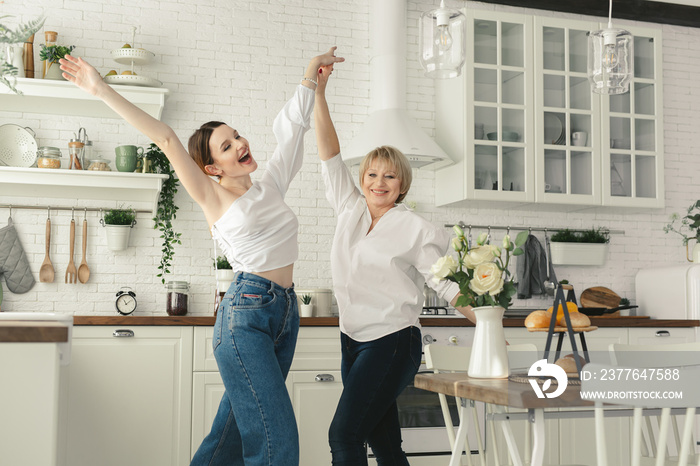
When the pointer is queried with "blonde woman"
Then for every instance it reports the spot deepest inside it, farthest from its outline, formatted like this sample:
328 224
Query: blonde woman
258 320
380 260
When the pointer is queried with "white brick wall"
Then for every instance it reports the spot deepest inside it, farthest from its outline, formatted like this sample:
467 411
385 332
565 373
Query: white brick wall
238 62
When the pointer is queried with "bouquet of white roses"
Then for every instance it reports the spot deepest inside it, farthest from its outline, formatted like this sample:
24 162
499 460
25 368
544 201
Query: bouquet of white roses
480 271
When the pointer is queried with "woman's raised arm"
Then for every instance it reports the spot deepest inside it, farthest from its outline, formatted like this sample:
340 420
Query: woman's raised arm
326 136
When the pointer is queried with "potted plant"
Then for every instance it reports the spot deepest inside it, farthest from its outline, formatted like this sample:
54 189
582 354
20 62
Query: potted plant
688 228
307 309
118 224
224 274
9 36
51 54
580 247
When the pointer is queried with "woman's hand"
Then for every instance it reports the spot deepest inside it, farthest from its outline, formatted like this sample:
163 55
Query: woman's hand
319 63
82 74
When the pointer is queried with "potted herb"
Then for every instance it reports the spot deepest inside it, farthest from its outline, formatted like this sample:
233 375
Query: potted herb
9 36
51 54
580 247
118 224
166 208
307 309
688 228
224 274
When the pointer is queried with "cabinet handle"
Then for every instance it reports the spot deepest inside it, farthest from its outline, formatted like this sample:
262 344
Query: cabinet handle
663 333
123 333
325 378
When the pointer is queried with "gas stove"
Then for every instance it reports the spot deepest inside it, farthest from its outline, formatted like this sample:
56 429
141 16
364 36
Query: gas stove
440 311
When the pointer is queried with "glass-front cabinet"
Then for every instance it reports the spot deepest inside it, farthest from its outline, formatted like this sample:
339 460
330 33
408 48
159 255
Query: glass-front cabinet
523 125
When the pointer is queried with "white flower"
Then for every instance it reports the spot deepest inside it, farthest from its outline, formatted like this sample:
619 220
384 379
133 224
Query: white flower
444 267
457 244
481 239
488 278
458 231
480 255
506 242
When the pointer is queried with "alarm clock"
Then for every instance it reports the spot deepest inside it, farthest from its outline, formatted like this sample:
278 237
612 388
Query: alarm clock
126 301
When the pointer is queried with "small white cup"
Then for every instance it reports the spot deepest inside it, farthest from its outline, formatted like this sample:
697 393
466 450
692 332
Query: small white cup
579 138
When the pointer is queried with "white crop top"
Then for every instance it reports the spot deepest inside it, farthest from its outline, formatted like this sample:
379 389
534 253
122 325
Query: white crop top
259 231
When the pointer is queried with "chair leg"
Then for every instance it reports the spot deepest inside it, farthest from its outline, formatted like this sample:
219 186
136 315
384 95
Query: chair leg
636 437
494 441
479 440
461 438
684 451
663 436
449 424
601 452
652 443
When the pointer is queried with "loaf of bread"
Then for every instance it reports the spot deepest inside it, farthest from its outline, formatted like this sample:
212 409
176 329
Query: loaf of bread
537 319
568 364
578 320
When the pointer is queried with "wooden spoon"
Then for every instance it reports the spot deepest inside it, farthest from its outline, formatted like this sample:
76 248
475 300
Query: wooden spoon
84 270
46 272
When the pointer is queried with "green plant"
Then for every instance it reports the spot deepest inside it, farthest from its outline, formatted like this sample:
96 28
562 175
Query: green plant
166 208
53 53
624 302
481 271
689 226
120 217
306 299
8 36
222 263
593 235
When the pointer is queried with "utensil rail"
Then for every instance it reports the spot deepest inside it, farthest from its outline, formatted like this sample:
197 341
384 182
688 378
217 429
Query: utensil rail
76 209
523 228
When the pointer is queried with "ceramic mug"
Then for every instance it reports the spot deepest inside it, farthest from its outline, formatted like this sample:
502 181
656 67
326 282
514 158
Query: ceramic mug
127 157
579 138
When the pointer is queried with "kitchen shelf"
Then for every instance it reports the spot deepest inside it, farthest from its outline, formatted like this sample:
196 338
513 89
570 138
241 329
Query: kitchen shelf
81 184
65 98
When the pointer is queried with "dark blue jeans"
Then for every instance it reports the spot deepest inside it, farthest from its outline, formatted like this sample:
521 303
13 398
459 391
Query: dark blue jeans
254 338
374 375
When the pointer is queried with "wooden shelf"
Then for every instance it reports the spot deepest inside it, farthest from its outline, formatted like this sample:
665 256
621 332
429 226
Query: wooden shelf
81 184
64 98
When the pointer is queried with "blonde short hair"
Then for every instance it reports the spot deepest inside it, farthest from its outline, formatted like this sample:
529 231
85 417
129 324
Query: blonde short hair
394 158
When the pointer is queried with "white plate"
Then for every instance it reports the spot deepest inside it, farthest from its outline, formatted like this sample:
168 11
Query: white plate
131 80
127 56
17 146
553 129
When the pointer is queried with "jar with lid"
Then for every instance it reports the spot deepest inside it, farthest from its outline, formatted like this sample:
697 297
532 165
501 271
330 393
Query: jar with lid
87 155
98 164
48 157
75 149
176 304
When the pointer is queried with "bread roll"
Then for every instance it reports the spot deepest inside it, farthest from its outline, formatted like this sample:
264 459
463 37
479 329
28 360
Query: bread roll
537 319
568 364
578 320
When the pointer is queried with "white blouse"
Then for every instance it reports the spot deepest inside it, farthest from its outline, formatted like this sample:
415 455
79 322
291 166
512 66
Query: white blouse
378 277
259 231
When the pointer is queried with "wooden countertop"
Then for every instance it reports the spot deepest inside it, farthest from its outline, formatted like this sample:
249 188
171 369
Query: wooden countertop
15 331
630 321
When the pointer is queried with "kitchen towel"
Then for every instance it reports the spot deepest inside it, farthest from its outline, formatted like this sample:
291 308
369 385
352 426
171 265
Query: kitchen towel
14 266
531 269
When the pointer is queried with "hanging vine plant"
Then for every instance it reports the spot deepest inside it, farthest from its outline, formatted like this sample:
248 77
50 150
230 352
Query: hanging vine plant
166 208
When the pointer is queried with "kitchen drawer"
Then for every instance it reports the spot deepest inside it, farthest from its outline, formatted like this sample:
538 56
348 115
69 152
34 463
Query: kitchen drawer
661 336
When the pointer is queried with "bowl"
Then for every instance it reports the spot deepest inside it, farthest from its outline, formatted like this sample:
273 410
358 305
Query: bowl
492 136
510 136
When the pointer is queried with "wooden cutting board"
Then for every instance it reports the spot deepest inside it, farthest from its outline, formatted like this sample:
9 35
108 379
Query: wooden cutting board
599 296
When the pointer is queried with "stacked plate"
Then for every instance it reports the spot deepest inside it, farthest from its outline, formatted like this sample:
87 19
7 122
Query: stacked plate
553 130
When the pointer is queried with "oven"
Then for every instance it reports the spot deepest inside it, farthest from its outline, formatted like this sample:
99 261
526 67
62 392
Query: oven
422 424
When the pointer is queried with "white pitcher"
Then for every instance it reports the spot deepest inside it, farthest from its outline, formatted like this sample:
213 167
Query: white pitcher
15 57
489 356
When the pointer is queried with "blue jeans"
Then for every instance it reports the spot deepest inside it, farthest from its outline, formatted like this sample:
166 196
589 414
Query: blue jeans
374 375
254 338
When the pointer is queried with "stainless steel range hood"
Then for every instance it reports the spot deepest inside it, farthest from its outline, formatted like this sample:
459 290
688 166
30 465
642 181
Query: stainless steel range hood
388 123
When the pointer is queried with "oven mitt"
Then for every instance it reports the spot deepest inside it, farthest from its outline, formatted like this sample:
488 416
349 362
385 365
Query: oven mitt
14 266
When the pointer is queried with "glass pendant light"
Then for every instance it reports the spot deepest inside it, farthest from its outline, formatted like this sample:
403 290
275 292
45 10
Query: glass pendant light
610 59
442 42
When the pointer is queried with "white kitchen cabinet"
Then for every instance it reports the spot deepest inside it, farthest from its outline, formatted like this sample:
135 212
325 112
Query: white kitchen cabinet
65 98
661 336
207 391
130 391
523 125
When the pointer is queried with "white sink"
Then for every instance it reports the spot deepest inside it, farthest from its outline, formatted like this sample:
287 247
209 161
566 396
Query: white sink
64 319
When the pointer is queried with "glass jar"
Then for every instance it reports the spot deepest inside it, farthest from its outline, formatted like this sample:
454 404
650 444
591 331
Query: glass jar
176 304
88 155
48 157
75 149
99 164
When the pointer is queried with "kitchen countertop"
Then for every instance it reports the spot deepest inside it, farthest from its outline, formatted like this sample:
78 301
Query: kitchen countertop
630 321
15 331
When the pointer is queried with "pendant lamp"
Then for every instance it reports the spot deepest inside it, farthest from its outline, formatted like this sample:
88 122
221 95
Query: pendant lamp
610 59
442 34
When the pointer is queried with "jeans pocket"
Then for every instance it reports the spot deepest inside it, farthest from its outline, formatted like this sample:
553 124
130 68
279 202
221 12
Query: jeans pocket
253 298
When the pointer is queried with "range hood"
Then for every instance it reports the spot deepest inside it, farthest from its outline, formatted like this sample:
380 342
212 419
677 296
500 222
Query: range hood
388 122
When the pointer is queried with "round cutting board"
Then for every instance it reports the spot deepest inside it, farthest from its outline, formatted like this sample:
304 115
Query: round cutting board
599 296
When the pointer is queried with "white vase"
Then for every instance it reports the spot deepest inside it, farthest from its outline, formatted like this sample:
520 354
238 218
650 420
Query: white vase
306 310
53 71
118 236
489 357
696 253
224 277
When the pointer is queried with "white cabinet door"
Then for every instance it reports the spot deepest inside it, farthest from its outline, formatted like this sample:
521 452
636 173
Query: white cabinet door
315 396
661 336
130 396
207 390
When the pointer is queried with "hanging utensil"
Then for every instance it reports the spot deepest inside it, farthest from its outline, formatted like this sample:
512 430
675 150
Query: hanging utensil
550 284
17 146
71 271
46 272
84 270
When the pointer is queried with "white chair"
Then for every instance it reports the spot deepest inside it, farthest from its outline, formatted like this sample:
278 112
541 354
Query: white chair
441 358
656 453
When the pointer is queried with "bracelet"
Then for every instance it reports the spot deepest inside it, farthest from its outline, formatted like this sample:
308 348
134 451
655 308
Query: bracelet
310 79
